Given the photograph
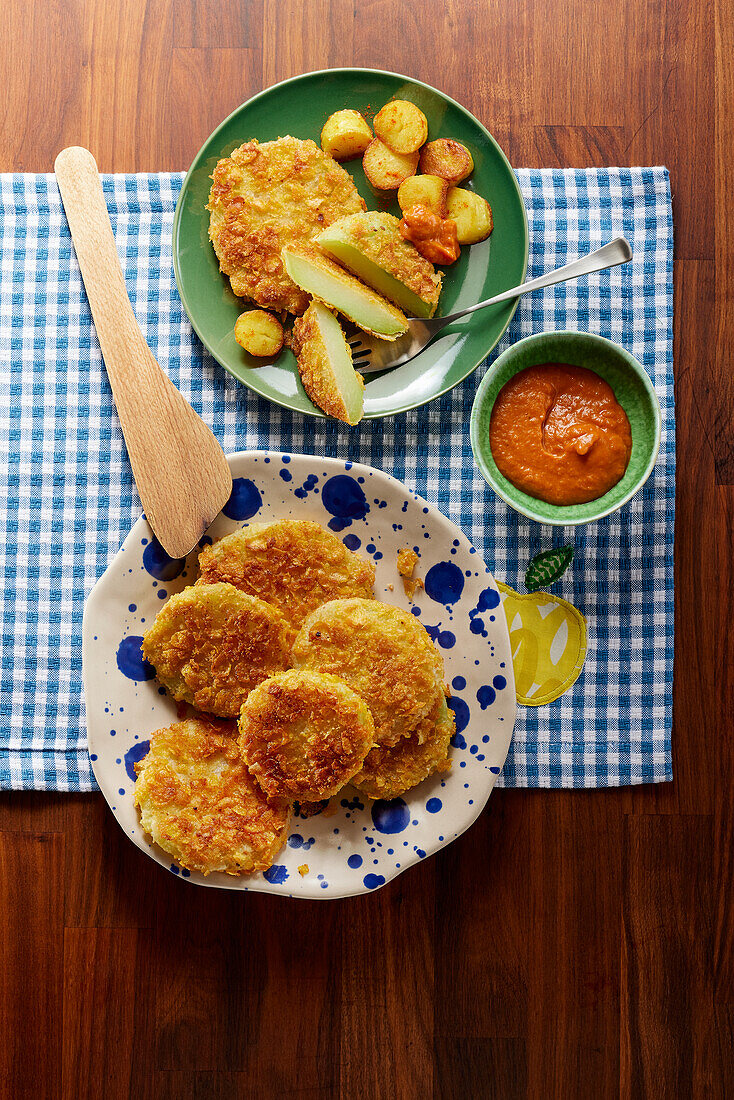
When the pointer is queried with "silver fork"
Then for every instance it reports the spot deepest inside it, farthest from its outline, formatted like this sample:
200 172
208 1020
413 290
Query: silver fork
371 354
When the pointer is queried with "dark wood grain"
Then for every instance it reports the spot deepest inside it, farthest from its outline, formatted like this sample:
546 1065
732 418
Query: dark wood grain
571 944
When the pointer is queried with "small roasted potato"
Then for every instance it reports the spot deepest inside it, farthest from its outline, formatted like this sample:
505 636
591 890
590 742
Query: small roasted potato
428 191
259 332
472 214
345 135
446 158
402 126
385 170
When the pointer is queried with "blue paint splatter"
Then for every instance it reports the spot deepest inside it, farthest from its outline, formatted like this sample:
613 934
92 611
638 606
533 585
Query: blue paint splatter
444 582
343 497
421 853
461 713
373 881
488 600
295 841
433 805
286 475
354 862
499 682
495 771
133 756
446 639
277 874
486 696
157 562
245 499
308 487
476 625
130 660
390 817
352 542
352 804
458 741
458 683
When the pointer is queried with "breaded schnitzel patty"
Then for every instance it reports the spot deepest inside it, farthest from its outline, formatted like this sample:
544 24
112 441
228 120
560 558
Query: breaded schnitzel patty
211 644
199 803
389 772
266 196
382 652
304 735
295 565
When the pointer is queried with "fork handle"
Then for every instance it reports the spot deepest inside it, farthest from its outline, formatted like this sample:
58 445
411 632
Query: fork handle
616 252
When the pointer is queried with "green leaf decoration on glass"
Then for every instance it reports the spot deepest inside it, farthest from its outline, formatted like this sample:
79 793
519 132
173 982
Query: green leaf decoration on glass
547 567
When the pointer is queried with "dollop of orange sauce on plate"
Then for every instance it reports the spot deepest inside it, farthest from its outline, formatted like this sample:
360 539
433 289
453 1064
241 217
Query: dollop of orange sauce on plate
435 238
558 433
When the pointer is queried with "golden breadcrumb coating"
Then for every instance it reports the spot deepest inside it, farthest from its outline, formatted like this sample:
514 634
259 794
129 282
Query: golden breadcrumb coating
211 644
311 352
382 652
198 802
389 772
377 236
304 735
266 196
407 561
295 565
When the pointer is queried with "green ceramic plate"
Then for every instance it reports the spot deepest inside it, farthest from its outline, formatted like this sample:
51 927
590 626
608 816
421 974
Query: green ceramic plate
632 388
300 107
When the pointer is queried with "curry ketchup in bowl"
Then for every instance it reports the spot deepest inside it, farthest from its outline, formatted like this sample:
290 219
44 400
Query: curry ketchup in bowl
558 433
565 427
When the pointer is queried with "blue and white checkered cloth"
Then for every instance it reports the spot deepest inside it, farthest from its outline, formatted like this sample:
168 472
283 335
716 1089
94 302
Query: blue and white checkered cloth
67 497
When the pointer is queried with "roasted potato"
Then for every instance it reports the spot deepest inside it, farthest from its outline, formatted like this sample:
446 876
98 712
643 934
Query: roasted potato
385 170
472 214
345 135
446 158
402 126
259 332
428 191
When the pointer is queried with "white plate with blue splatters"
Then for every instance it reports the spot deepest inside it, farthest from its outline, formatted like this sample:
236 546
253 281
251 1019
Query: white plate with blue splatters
363 844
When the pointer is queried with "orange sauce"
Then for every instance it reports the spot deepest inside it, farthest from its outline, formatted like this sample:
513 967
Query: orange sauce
558 433
434 237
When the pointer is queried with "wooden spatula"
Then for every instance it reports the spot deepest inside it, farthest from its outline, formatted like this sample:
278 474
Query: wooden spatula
180 469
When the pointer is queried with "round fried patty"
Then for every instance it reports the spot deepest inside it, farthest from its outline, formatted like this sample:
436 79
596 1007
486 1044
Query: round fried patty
295 565
391 771
211 644
266 196
382 652
199 803
304 735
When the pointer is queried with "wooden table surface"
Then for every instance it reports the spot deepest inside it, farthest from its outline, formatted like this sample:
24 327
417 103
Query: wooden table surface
571 944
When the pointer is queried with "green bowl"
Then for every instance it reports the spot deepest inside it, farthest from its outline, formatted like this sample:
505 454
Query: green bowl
300 106
632 388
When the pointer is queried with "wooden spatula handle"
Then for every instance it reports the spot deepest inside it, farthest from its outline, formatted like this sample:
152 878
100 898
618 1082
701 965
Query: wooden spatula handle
134 374
180 471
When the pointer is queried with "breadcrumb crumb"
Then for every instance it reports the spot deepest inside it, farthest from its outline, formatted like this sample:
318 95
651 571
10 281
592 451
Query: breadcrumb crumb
407 561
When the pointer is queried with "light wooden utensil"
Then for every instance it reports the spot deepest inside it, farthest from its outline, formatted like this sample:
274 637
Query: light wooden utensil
180 470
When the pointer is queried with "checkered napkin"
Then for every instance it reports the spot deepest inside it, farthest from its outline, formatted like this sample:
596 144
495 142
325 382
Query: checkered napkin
67 497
